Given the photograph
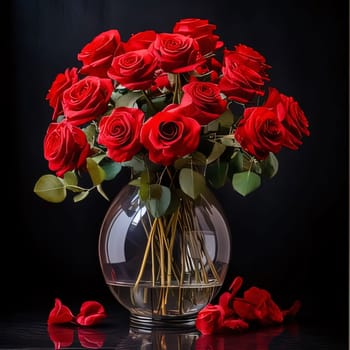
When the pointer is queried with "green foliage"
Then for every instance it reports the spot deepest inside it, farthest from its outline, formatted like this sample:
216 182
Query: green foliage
159 200
269 166
50 188
191 182
216 174
246 182
96 172
111 168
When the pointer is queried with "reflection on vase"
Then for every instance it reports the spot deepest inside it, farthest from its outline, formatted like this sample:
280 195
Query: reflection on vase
159 339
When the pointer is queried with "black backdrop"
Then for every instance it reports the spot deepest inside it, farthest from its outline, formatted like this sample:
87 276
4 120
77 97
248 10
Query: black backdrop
289 237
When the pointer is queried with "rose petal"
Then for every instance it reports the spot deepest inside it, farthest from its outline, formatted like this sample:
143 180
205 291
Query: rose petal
91 312
60 314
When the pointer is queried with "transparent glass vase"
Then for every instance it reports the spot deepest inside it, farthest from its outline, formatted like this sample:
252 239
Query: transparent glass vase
164 270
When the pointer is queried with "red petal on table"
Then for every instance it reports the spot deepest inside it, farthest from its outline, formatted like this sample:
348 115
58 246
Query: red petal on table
91 312
293 310
236 285
60 314
236 324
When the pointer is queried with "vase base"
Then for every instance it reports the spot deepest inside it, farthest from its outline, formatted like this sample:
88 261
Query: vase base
145 322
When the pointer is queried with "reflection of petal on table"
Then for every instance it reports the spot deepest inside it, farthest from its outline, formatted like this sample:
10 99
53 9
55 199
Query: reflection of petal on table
61 336
91 338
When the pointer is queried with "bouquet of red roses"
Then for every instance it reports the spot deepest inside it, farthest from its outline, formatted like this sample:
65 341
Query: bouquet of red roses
163 101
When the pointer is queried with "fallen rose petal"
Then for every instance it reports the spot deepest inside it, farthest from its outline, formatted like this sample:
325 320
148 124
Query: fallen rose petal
91 312
257 305
236 324
225 301
62 337
90 338
236 285
293 310
210 319
60 314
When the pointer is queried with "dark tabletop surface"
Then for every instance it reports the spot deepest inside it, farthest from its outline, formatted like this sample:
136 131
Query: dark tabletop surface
30 331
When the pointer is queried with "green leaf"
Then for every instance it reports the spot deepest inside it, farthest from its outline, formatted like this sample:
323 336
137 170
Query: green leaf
181 163
79 197
128 100
70 178
199 158
90 132
156 191
102 192
269 166
191 182
226 119
246 182
111 169
229 140
145 177
136 163
99 158
216 174
135 182
217 151
144 191
235 163
148 191
50 188
96 172
158 206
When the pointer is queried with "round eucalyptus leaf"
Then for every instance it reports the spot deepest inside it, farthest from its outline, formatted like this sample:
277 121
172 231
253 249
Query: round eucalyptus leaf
50 188
246 182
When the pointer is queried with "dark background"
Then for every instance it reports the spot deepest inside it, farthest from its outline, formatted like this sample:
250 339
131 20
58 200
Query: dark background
289 237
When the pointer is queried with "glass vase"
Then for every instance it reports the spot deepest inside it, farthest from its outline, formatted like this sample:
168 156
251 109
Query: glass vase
165 269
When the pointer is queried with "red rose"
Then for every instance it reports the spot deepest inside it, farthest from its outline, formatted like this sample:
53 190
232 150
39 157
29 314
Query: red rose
134 70
62 82
240 82
202 31
169 135
252 59
257 305
176 53
87 99
204 100
91 312
98 54
141 40
65 147
210 319
120 133
160 82
59 314
260 132
291 116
